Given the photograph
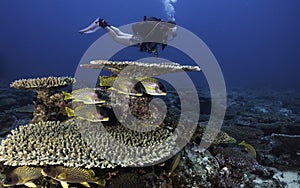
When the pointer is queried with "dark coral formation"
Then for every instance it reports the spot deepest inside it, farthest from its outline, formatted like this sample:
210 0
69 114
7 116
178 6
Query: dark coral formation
47 107
234 164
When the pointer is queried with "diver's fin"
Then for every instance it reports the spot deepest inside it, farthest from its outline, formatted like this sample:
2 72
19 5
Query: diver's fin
67 96
64 184
86 184
30 184
70 111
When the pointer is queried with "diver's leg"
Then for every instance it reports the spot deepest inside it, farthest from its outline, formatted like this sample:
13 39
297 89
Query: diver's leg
115 33
94 26
119 32
122 39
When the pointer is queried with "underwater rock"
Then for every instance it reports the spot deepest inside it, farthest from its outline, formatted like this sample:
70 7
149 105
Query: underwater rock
7 102
221 137
288 178
283 150
25 109
234 164
129 179
242 132
197 169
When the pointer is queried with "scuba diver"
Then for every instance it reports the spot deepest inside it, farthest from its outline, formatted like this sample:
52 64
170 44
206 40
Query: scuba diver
148 35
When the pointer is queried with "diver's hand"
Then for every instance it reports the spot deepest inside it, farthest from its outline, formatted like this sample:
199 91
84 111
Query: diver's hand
91 28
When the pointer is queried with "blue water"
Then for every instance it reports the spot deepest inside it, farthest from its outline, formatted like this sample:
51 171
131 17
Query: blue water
256 42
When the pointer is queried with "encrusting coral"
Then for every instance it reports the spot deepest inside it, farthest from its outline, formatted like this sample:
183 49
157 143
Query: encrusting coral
46 107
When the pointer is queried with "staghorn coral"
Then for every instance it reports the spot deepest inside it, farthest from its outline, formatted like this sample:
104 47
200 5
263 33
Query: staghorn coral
137 69
46 107
82 144
42 83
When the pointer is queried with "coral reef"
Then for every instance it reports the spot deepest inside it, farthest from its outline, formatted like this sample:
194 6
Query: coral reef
49 143
233 166
269 121
46 107
73 143
136 69
197 169
129 147
42 83
221 138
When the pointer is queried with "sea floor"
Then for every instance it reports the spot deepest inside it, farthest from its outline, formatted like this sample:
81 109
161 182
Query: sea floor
267 119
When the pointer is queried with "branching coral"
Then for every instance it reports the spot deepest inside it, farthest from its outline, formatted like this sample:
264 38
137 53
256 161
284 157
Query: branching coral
49 143
73 143
127 147
42 83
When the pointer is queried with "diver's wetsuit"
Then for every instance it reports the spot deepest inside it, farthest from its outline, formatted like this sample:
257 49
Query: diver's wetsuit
148 34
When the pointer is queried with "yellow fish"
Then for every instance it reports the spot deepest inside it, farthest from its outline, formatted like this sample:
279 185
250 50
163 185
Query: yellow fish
152 86
85 95
72 175
124 85
91 113
147 85
175 163
249 148
22 176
